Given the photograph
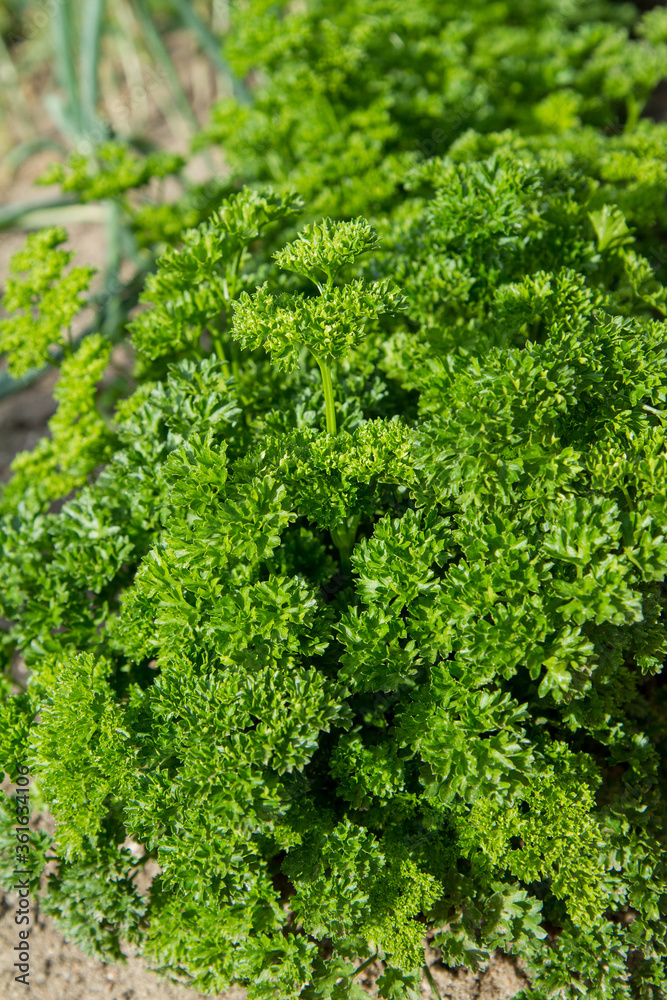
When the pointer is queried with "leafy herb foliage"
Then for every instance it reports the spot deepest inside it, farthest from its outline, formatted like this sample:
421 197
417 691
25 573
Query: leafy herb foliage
359 630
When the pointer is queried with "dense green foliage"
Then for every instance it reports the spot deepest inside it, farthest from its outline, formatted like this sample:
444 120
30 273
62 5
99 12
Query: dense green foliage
354 617
349 95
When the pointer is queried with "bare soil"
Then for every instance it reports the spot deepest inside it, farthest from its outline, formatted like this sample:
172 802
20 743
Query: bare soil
59 971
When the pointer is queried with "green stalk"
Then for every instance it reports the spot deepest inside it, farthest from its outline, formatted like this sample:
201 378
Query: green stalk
629 502
329 408
633 111
236 364
12 214
216 337
212 48
9 385
63 44
91 29
364 965
431 982
23 150
160 53
344 536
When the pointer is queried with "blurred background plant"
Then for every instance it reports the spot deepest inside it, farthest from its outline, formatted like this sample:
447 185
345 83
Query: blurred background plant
101 57
110 94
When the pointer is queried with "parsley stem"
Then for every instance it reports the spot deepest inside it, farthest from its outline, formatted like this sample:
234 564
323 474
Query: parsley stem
330 411
216 339
633 110
344 536
236 367
364 965
431 982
